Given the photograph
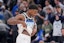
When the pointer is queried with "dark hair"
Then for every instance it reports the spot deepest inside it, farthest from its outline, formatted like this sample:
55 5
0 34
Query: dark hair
39 6
33 6
25 0
57 6
48 1
48 8
58 0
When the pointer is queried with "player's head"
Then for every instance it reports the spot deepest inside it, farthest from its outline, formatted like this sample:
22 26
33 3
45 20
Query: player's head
33 10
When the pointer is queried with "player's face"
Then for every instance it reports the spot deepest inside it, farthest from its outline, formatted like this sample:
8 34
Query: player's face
34 12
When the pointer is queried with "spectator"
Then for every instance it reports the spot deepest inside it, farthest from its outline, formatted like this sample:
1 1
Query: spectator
57 2
52 3
49 15
25 3
40 17
19 1
1 3
2 17
37 1
16 6
14 9
61 39
22 8
42 2
57 26
47 4
62 1
47 27
59 11
7 14
11 3
5 2
3 32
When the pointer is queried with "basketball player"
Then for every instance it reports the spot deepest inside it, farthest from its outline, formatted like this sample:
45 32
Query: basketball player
26 24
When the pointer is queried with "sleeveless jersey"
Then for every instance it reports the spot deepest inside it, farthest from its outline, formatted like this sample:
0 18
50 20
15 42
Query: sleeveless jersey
29 22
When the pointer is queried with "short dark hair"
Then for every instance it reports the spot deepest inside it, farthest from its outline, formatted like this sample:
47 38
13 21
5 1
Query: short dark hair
39 6
48 1
48 8
57 6
33 6
58 0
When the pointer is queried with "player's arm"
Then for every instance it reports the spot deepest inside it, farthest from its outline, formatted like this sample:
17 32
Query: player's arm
19 19
34 30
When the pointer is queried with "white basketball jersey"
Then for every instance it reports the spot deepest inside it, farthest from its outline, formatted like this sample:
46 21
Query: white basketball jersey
29 22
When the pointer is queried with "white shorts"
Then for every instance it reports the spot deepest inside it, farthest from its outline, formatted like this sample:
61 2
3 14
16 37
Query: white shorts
22 38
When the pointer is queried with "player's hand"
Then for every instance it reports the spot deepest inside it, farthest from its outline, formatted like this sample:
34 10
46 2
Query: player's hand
24 24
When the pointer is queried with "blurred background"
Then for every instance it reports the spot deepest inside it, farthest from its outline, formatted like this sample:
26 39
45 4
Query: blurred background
50 21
